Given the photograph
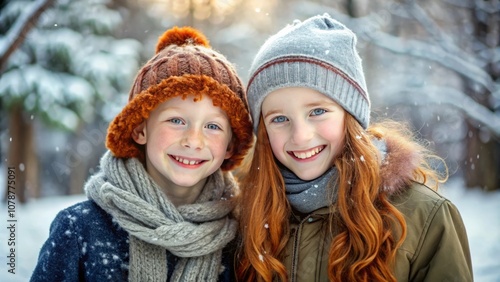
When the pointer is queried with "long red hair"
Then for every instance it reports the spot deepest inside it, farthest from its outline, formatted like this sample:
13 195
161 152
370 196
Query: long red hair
366 239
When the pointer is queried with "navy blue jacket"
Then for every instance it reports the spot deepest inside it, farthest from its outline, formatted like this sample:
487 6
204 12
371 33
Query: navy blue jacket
86 244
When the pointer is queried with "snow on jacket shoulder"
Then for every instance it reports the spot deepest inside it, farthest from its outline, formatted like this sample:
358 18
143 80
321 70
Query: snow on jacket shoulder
86 244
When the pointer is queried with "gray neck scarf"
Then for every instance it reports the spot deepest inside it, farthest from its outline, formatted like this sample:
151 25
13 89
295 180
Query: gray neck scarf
196 233
308 196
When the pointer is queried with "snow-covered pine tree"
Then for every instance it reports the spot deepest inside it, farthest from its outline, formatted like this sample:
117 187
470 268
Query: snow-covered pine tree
67 63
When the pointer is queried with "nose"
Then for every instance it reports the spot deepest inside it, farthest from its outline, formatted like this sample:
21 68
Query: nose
302 132
193 138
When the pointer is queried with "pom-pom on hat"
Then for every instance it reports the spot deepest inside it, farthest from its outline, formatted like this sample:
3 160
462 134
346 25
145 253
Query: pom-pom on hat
318 53
184 65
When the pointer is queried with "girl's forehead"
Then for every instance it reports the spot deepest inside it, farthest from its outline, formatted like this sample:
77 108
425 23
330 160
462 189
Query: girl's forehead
289 96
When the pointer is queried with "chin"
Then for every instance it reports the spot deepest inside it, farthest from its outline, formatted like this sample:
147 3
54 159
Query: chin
307 176
186 184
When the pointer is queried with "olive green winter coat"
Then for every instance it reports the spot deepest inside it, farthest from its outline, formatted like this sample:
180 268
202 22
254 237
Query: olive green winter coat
435 248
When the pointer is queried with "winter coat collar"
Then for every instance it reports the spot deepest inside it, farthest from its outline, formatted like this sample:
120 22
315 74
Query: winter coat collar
399 162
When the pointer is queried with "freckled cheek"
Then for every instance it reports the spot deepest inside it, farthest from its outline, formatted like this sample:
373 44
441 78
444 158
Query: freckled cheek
218 143
334 134
277 143
336 139
164 138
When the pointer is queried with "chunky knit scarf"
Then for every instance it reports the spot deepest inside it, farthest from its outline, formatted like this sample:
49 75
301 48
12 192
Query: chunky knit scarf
195 233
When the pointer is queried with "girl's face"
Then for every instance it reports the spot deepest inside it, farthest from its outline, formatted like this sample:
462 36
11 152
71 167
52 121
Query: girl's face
305 129
186 142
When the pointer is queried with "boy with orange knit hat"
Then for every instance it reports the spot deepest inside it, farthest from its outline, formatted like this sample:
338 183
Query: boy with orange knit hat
160 207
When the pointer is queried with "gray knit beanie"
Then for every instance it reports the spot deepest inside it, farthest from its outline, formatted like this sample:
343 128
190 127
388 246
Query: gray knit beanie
318 53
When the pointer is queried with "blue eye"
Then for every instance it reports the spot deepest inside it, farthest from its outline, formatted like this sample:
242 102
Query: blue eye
317 112
175 120
279 119
213 127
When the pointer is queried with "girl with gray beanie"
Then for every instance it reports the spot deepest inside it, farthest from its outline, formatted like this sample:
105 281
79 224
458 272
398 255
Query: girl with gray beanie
328 195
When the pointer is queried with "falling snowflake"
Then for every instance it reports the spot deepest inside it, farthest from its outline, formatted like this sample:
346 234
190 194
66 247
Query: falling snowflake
72 218
84 248
266 226
261 257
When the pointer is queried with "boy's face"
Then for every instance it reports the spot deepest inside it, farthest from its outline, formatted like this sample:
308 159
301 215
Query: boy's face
186 141
307 132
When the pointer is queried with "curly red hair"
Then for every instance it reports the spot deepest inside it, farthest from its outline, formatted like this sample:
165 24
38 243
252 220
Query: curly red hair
365 246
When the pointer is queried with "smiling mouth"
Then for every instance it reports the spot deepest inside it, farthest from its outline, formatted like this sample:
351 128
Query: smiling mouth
187 161
307 154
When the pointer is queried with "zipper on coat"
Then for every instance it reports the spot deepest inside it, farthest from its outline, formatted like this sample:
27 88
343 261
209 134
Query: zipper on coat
295 253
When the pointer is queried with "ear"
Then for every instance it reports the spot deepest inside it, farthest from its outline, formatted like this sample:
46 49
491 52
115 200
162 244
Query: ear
139 133
230 150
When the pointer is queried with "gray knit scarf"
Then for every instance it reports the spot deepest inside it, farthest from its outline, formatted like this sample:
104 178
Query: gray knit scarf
308 196
195 233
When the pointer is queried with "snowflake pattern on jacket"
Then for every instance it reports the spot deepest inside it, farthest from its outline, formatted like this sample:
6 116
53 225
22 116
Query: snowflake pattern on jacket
86 244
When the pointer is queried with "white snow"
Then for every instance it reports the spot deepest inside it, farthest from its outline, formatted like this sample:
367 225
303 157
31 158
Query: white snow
480 212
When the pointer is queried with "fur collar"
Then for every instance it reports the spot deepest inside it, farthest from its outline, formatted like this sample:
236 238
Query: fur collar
399 162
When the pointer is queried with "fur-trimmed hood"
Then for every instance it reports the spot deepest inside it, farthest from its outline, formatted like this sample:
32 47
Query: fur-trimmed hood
400 158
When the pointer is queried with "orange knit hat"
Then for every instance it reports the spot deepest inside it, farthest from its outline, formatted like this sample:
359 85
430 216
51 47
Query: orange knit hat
184 65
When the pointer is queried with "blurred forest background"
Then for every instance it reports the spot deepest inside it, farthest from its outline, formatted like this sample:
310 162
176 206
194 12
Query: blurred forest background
66 67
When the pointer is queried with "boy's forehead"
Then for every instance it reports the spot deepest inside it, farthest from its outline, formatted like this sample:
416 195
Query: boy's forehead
199 104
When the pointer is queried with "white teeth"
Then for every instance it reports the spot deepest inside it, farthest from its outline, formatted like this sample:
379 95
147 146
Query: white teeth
184 161
307 155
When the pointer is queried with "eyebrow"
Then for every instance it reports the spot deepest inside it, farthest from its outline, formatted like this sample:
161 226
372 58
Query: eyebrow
310 105
271 113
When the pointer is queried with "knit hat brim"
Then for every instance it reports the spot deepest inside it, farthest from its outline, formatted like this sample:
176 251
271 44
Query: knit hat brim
119 139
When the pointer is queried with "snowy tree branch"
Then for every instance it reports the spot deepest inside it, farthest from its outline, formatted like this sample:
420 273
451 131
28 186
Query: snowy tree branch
22 26
435 54
446 95
432 28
